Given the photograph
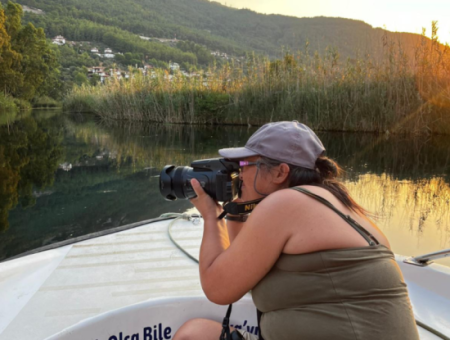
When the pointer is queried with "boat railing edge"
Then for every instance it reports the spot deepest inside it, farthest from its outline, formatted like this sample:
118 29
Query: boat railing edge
426 259
87 237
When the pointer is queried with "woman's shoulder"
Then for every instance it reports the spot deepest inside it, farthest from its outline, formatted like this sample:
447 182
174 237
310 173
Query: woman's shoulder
289 198
289 193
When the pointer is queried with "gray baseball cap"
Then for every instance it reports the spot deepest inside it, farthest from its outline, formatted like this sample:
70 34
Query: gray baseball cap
290 142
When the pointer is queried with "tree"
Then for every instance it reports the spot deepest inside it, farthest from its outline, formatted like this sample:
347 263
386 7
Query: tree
28 64
95 79
9 59
80 78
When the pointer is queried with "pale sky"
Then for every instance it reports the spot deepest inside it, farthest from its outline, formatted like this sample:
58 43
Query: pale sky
395 15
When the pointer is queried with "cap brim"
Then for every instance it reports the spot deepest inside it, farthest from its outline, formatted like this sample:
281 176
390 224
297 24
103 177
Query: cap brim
236 153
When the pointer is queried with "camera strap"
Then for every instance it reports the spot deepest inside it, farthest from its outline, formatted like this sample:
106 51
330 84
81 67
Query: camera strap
239 208
226 335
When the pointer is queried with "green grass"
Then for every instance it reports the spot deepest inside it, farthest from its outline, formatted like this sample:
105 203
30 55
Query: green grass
396 96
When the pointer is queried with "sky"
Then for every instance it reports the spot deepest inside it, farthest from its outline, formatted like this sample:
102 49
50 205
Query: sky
394 15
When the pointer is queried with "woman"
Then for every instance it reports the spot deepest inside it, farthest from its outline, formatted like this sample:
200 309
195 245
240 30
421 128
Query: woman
314 272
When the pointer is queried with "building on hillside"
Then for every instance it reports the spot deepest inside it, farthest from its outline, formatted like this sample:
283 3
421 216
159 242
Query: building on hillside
108 50
220 54
103 77
119 74
174 66
96 70
116 74
94 50
108 55
32 10
59 40
99 71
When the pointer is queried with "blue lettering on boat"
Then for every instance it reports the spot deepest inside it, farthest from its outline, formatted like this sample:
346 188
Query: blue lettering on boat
126 337
157 333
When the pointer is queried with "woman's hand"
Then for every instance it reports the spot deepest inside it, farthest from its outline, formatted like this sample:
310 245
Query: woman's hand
207 207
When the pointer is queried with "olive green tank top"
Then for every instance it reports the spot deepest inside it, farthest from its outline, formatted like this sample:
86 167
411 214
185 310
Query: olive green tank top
351 293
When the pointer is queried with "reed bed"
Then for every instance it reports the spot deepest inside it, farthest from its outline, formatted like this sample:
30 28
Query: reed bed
398 94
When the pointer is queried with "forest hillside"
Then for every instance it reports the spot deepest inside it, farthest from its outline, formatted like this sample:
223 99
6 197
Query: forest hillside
210 24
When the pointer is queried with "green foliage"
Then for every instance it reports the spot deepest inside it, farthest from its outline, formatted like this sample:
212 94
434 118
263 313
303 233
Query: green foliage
69 57
22 104
207 23
358 95
130 59
94 80
203 54
7 104
80 78
45 102
28 65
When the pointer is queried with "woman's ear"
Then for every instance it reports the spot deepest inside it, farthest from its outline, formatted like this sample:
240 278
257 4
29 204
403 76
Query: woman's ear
282 174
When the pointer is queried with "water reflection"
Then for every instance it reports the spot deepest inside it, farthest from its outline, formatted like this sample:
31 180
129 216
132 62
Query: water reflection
105 176
414 214
29 154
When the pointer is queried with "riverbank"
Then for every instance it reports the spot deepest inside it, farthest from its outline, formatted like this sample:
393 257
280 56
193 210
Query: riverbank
396 95
10 105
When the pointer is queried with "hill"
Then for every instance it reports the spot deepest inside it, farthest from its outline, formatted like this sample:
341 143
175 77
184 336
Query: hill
235 31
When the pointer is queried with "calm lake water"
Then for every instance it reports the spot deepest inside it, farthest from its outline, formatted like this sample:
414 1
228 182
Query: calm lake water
65 176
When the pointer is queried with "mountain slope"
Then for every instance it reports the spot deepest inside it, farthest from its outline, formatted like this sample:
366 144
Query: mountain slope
217 26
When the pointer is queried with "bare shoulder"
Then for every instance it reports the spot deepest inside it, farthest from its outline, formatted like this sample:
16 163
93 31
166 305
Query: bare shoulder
282 200
284 208
286 198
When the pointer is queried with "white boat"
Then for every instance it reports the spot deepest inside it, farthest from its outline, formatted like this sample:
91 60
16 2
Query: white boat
134 283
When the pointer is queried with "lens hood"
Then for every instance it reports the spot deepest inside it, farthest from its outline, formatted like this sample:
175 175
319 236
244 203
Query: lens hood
165 183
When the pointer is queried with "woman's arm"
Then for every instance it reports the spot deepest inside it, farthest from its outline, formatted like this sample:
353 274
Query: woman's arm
227 271
234 228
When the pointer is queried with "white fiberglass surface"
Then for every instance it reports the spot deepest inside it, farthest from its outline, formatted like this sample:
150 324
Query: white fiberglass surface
20 279
45 293
104 274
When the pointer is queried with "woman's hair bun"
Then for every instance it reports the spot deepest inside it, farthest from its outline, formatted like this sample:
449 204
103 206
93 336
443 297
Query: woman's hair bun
328 168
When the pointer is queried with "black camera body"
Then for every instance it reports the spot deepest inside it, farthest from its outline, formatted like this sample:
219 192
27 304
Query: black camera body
218 177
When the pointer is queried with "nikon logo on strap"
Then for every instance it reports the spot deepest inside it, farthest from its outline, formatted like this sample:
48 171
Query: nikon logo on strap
249 207
235 208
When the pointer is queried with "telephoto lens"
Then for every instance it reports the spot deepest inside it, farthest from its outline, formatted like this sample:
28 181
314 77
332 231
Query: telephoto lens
217 176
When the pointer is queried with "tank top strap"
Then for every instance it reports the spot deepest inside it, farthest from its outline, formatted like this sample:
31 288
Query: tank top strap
355 225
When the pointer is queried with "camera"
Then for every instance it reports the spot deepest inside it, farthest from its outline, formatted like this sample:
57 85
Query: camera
218 177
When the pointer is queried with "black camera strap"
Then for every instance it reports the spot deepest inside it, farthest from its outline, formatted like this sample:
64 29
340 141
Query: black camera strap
226 335
239 208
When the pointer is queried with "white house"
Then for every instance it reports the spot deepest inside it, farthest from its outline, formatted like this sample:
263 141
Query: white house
32 10
59 40
94 50
174 66
96 70
108 50
103 77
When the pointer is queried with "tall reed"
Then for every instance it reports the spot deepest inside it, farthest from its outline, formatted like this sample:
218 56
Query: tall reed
399 94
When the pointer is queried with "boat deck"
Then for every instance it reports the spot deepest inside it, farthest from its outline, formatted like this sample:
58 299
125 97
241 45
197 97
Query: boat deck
44 293
69 284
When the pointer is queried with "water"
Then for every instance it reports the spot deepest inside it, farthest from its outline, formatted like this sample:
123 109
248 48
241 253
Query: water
65 176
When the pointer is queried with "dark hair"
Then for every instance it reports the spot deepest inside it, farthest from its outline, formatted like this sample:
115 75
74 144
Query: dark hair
325 175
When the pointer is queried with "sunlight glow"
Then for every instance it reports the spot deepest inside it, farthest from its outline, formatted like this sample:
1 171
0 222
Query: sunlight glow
394 15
